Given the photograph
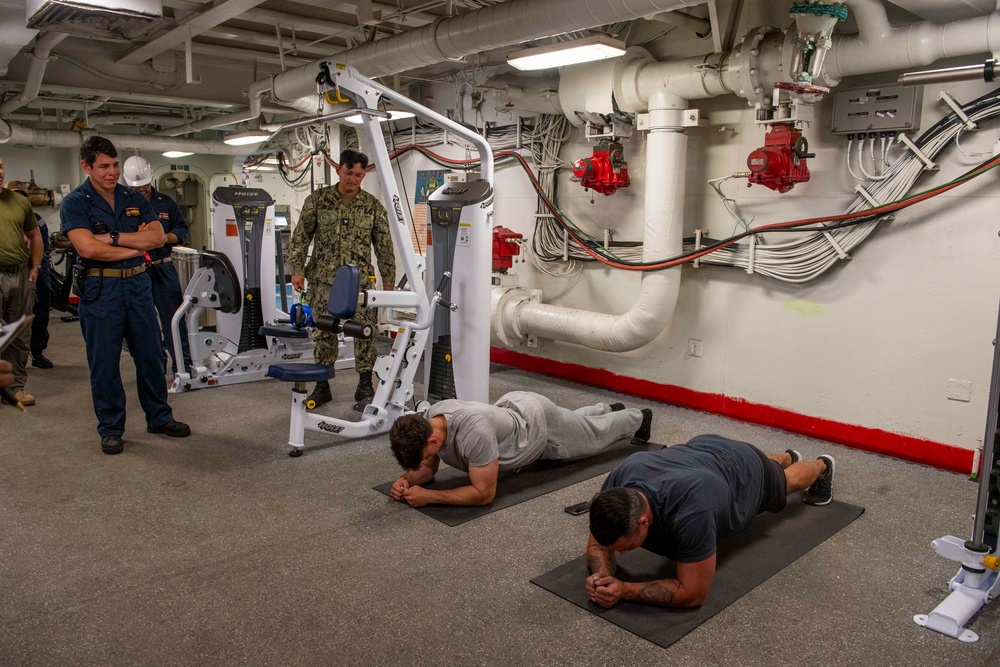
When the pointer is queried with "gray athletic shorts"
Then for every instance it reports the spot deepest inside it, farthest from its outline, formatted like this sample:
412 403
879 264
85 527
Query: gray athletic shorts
775 491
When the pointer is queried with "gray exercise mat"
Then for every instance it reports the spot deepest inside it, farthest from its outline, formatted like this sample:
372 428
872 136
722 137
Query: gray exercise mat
772 542
535 480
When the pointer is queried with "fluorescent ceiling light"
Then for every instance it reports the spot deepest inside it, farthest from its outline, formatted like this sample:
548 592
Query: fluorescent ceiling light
246 138
176 154
596 47
395 115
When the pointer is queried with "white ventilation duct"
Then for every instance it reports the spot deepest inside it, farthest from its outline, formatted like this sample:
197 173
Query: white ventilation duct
39 60
493 27
23 136
14 36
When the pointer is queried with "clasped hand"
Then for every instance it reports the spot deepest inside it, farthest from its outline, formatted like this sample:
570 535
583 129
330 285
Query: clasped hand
605 590
414 495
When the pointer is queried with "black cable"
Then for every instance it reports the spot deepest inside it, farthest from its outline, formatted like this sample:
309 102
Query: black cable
402 181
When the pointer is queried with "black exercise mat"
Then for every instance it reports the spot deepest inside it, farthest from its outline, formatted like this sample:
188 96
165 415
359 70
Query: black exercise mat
535 480
772 542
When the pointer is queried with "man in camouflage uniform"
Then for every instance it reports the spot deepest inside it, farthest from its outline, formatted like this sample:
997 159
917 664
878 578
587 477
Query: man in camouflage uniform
343 223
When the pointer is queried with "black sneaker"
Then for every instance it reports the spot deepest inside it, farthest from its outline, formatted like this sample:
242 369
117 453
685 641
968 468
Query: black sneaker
41 361
112 444
641 436
321 395
796 457
617 407
821 491
173 428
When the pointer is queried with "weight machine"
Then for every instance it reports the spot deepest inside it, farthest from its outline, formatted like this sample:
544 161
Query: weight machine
466 274
976 582
248 337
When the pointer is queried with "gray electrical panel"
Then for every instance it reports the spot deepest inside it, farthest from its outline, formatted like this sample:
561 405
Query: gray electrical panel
888 108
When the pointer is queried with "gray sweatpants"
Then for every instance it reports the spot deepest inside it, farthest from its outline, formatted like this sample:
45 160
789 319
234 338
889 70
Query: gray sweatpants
583 432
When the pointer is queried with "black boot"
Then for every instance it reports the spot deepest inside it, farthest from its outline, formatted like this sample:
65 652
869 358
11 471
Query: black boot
320 396
365 389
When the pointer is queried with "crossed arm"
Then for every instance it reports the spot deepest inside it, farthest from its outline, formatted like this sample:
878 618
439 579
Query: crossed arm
481 491
689 589
130 244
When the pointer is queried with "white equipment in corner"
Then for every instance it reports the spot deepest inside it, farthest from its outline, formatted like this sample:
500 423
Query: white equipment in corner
976 582
237 282
471 293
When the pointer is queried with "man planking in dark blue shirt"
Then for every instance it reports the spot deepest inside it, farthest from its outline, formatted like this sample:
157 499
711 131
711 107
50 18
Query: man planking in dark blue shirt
677 501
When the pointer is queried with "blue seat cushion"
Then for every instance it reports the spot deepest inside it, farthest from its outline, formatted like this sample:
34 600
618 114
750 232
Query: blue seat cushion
282 331
300 372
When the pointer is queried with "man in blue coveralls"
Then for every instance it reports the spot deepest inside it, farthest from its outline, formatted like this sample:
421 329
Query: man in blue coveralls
167 294
111 228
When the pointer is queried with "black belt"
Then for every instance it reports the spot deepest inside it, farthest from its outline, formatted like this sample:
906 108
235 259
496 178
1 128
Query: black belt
11 268
116 273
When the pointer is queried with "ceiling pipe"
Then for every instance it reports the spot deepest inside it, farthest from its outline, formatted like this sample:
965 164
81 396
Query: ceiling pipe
878 47
18 135
699 26
14 36
39 59
517 317
492 27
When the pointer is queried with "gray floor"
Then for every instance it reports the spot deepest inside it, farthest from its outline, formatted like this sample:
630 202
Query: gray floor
220 549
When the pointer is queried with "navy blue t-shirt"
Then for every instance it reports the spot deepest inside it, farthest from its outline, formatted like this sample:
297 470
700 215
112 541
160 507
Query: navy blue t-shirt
709 488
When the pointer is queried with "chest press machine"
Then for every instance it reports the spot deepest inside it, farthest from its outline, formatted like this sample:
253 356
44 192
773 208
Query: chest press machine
466 272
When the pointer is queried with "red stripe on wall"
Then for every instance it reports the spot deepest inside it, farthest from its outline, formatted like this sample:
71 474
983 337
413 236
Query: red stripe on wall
939 455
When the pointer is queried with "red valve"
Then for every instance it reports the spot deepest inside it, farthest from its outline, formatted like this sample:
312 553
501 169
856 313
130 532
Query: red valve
505 248
781 162
606 170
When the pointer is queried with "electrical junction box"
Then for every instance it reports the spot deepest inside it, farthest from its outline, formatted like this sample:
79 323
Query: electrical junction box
888 108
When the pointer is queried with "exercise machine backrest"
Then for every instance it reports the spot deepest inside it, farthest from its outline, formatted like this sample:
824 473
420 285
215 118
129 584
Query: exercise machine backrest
227 285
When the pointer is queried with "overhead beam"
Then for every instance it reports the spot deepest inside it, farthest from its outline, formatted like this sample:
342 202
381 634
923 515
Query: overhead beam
243 36
190 27
217 51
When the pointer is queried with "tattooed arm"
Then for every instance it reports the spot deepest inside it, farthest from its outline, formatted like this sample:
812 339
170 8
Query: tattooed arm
689 589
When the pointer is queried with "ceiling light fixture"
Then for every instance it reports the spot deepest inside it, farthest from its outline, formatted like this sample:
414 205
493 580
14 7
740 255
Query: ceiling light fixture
587 49
393 115
173 154
247 138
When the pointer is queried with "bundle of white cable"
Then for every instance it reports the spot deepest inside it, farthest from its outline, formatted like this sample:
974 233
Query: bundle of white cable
809 256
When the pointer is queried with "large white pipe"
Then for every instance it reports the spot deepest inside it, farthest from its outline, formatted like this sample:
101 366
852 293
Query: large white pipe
488 28
19 135
880 47
39 59
666 165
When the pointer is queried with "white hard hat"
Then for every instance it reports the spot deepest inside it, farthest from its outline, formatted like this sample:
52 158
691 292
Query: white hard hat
137 172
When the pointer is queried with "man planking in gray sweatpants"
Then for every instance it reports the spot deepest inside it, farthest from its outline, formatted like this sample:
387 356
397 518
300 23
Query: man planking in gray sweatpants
484 439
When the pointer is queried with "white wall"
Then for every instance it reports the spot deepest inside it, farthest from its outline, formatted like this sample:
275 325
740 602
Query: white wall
872 343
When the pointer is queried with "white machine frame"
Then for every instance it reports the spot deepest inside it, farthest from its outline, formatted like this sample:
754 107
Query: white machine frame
215 357
471 296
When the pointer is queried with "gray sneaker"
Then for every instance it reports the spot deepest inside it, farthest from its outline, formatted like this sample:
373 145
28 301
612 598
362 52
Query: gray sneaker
821 491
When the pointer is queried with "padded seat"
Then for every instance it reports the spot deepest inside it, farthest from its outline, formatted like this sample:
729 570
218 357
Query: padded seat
300 372
279 331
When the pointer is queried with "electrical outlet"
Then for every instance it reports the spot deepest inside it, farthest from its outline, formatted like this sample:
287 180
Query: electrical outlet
694 347
959 390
